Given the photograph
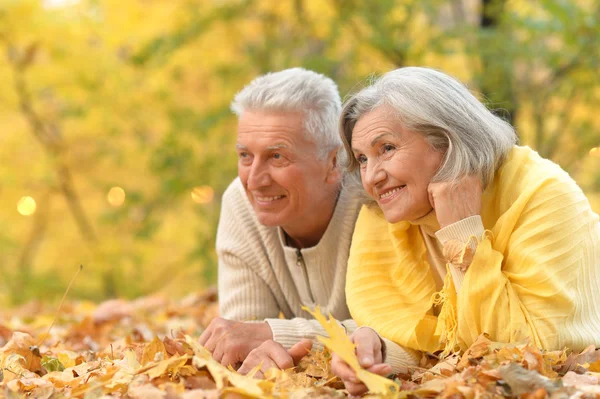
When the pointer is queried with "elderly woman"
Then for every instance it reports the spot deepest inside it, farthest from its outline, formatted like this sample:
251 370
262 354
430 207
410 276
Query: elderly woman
469 233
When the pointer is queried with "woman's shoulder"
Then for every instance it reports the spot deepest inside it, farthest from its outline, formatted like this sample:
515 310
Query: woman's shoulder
525 163
525 170
526 180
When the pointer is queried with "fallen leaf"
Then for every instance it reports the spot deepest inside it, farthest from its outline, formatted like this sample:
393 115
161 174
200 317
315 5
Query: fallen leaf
339 343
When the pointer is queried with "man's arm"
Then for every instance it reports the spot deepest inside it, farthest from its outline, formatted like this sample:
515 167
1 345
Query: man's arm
290 332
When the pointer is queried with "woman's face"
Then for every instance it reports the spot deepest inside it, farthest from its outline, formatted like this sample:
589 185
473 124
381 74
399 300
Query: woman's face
396 165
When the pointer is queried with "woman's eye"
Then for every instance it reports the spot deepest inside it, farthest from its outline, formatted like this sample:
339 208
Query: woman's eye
361 159
388 147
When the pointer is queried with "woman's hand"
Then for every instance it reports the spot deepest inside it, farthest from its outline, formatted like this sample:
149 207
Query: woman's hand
369 350
455 201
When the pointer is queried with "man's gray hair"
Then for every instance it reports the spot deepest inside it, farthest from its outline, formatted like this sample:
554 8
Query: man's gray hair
429 102
298 90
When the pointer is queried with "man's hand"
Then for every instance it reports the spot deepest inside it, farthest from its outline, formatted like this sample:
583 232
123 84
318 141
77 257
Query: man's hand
230 342
455 201
369 351
272 354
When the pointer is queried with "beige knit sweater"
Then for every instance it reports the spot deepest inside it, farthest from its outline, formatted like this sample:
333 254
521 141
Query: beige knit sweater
260 278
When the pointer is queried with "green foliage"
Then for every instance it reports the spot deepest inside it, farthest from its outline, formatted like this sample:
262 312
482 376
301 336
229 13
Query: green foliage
104 93
52 364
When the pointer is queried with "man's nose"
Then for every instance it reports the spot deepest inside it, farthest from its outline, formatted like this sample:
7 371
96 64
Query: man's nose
259 175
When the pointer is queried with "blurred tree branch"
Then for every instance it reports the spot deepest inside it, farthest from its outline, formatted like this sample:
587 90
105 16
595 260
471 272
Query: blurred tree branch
49 137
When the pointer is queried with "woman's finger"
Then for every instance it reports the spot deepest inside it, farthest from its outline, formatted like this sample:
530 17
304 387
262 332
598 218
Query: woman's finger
340 368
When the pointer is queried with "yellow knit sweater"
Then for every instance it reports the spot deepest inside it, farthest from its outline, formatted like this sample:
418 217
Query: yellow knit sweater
535 274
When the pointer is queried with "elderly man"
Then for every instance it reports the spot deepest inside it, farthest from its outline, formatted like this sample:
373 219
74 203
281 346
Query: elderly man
286 223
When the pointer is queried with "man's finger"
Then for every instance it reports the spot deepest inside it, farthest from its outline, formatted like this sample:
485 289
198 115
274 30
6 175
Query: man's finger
301 349
220 350
229 358
211 343
278 355
205 336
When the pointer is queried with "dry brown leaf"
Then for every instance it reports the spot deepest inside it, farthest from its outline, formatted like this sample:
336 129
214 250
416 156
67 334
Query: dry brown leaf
477 350
459 254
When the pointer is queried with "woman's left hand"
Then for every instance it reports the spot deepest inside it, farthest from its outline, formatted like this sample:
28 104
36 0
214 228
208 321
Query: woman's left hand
455 201
369 352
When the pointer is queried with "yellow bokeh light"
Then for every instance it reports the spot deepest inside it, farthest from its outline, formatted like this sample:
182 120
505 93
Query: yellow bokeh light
26 206
203 194
116 197
595 152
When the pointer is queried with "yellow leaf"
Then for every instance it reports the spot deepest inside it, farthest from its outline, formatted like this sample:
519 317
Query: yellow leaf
67 358
246 385
595 367
131 361
173 364
151 350
339 343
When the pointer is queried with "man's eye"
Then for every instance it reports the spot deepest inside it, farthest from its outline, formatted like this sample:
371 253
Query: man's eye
277 156
242 154
388 147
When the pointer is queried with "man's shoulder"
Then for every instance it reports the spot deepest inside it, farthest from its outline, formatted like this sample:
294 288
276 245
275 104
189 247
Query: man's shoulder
235 204
237 216
234 193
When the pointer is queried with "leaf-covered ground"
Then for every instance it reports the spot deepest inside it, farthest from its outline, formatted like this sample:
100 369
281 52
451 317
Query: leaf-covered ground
148 348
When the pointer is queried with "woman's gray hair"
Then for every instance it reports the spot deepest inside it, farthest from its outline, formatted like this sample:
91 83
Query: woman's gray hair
298 90
426 101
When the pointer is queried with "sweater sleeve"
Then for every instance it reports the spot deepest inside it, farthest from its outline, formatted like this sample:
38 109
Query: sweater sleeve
289 332
537 277
400 358
462 231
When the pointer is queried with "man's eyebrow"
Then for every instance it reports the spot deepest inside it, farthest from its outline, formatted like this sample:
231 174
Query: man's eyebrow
241 147
277 147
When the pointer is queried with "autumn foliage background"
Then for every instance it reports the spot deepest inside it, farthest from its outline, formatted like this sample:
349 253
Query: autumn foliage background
116 139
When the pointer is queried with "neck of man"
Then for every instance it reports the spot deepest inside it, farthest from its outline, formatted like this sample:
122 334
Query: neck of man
308 231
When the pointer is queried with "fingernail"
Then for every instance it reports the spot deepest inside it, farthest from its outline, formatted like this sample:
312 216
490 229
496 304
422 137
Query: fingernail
367 361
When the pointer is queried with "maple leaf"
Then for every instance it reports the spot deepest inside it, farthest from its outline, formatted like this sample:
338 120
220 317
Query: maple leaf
154 351
171 365
243 384
340 343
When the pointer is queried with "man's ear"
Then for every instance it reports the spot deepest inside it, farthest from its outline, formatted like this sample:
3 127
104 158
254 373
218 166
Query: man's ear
334 172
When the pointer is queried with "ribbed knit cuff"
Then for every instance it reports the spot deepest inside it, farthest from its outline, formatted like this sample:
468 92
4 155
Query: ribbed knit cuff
462 230
399 358
290 332
349 325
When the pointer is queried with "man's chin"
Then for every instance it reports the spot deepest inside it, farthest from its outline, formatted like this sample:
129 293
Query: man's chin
269 220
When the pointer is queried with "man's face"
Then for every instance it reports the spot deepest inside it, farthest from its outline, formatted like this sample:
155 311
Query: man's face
284 179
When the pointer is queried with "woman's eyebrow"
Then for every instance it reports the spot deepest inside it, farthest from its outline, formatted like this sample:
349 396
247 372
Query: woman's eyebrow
376 139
